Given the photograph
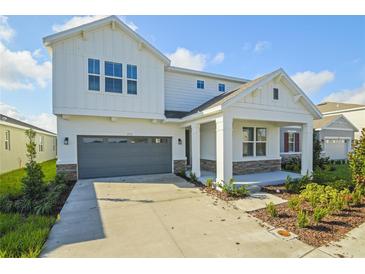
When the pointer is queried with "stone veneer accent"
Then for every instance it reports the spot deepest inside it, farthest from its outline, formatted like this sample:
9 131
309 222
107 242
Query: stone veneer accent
240 168
179 166
208 165
69 170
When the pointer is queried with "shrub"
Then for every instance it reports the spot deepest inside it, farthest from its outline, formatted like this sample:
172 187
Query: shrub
294 203
296 185
271 210
292 164
302 219
193 177
318 161
357 195
209 182
33 185
234 191
319 213
357 160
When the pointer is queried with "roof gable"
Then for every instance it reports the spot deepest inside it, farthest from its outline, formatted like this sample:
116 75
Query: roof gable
114 21
335 122
228 98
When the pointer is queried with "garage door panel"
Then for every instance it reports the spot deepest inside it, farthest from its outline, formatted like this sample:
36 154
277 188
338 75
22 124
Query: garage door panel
336 149
100 156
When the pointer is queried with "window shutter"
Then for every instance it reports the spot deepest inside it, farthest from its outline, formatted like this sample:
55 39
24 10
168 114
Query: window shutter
296 142
286 141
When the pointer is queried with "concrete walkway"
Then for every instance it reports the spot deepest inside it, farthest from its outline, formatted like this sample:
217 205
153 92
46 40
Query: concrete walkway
159 216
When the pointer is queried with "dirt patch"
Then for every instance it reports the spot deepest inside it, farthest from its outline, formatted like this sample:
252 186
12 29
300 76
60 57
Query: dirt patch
331 228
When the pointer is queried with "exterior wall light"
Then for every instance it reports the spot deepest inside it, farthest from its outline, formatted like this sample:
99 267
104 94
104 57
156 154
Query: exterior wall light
179 141
65 141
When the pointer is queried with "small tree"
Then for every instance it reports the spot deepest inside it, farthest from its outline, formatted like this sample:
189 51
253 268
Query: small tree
357 160
33 185
318 160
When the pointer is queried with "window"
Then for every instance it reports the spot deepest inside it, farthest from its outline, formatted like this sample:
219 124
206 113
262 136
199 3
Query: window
200 84
222 87
276 93
131 79
7 139
113 77
260 141
254 141
117 140
41 144
94 74
92 140
248 141
159 140
291 141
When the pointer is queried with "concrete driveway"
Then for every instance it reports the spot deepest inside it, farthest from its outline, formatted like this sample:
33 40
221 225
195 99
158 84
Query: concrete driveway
158 216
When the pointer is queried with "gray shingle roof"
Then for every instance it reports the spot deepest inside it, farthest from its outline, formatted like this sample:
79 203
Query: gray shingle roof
23 124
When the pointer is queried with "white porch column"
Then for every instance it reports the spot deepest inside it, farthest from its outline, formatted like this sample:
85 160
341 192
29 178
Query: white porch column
195 149
307 148
224 148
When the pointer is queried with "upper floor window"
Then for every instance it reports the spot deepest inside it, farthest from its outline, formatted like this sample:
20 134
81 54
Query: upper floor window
275 93
131 79
94 74
113 77
222 87
200 84
254 141
41 143
7 139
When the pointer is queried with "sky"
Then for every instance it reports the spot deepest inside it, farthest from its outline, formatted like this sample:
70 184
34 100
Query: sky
325 55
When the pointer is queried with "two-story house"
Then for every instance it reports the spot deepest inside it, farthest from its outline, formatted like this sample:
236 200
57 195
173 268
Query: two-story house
122 109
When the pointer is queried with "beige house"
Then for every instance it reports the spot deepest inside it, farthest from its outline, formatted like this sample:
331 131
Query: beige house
13 144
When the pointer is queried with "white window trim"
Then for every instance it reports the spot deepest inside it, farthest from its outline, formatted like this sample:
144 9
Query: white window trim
131 79
111 77
41 144
255 142
7 140
93 74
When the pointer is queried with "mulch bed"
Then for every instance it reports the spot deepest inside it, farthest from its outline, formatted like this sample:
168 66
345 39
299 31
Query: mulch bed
332 228
64 196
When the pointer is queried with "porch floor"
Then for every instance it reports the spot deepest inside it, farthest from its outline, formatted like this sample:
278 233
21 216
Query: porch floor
259 179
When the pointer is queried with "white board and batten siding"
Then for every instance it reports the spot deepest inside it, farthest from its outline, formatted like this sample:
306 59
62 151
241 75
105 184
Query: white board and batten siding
182 94
260 105
70 76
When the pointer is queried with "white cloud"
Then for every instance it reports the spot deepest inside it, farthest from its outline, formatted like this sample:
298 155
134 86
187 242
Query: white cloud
218 58
311 81
81 20
355 96
6 32
183 57
246 46
260 46
44 120
19 70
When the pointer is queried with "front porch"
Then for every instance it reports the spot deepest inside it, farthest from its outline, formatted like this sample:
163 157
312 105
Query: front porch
254 179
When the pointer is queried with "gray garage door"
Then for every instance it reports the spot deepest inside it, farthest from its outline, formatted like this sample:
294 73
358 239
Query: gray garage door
106 156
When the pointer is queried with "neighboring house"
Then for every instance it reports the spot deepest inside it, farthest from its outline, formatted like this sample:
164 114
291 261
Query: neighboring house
355 113
13 144
336 134
122 109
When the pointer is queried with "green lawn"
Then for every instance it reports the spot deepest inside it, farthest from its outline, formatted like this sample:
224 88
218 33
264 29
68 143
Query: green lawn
10 182
341 172
23 237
